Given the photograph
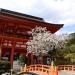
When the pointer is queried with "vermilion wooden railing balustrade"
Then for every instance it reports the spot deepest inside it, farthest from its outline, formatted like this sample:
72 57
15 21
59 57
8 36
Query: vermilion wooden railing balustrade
66 67
40 69
46 70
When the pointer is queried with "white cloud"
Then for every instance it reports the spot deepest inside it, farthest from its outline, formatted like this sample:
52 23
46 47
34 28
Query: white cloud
64 11
18 5
68 21
55 11
63 32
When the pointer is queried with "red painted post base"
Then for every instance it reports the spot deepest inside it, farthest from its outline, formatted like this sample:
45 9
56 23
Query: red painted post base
56 71
53 71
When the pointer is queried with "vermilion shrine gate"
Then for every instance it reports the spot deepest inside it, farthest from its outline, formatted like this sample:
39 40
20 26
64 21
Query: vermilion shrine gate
14 27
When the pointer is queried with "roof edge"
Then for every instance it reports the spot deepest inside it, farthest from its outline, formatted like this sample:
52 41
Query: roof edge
13 13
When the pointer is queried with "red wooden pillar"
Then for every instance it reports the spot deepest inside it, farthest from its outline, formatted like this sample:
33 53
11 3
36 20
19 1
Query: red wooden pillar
12 55
0 53
32 58
28 59
1 40
42 59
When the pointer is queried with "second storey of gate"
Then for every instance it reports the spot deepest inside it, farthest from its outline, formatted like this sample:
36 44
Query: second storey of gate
15 24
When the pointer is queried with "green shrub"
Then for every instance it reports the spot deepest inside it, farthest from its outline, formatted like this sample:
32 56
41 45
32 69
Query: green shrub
4 66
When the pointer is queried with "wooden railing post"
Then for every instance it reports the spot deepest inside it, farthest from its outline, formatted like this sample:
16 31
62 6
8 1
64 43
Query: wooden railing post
72 67
21 69
56 71
25 67
52 69
42 68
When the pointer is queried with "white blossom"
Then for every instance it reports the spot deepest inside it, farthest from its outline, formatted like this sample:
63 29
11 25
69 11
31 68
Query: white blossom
43 41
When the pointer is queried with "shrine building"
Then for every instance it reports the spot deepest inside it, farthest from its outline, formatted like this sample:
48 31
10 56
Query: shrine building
14 27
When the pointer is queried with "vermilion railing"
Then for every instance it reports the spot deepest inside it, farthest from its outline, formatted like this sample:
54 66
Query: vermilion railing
39 68
45 69
66 67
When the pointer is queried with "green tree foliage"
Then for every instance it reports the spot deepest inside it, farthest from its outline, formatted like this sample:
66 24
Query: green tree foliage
23 59
67 54
72 40
71 48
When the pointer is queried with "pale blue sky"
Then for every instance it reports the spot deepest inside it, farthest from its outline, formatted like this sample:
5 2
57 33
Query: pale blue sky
53 11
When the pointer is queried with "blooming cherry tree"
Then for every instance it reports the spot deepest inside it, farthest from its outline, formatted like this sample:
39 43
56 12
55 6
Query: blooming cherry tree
43 41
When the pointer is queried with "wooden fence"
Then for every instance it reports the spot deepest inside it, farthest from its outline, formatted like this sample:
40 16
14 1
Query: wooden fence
66 67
